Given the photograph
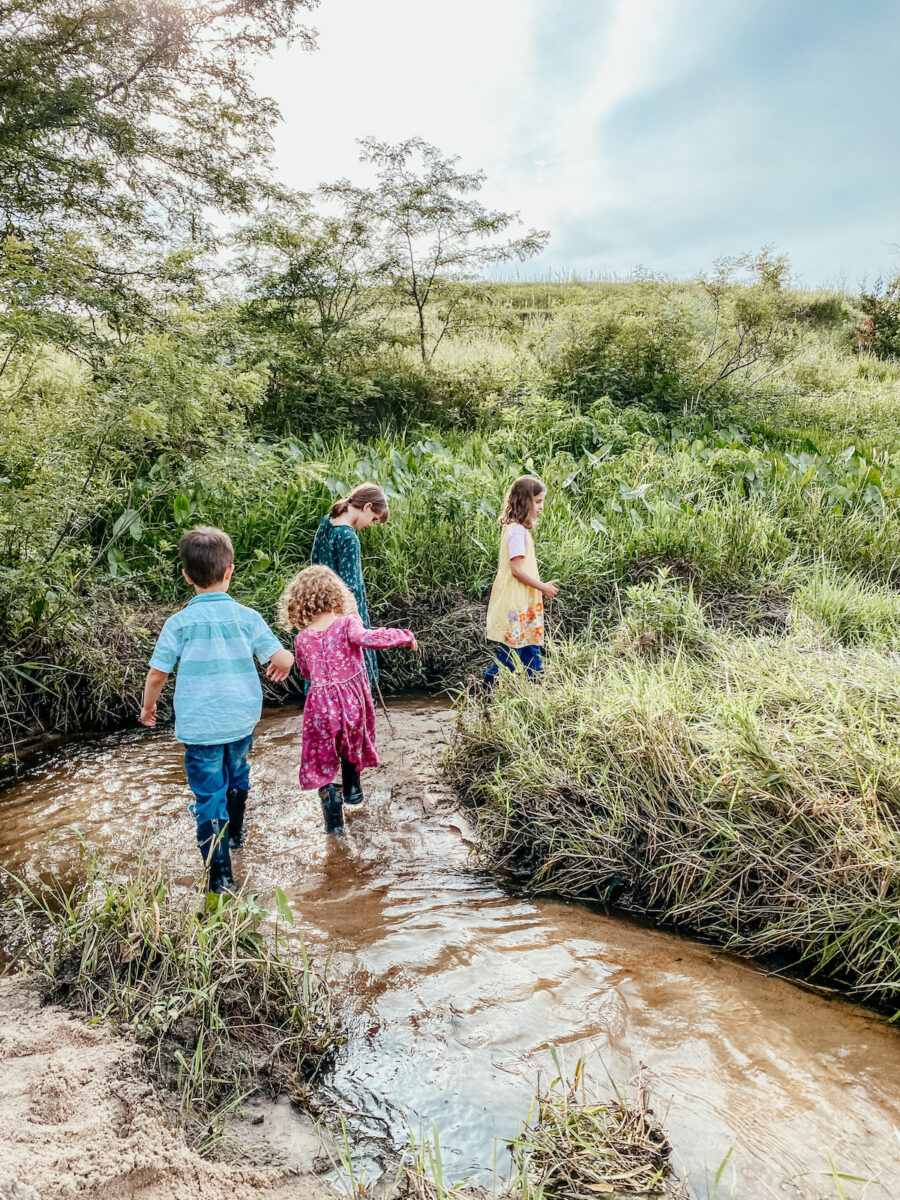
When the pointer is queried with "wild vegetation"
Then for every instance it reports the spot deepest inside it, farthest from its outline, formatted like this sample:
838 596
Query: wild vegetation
184 340
214 999
744 788
722 463
777 502
158 369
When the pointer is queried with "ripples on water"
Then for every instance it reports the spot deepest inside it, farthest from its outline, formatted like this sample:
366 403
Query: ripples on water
451 986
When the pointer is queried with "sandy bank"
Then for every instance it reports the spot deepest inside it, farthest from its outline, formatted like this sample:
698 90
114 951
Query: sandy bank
80 1119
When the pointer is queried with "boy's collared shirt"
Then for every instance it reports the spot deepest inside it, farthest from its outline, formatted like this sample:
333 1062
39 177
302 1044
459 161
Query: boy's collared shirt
213 640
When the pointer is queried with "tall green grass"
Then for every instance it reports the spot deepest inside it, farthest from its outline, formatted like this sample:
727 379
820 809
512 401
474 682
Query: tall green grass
751 795
775 488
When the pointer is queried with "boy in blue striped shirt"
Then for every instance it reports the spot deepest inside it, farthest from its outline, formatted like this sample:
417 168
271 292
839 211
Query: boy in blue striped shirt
218 697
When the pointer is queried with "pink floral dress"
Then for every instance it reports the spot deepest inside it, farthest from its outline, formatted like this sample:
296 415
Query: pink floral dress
339 717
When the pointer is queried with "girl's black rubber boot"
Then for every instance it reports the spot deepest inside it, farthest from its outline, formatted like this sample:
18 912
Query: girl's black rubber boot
332 809
237 804
350 784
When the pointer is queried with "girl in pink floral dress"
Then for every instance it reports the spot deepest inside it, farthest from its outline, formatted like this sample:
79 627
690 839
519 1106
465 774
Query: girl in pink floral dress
339 717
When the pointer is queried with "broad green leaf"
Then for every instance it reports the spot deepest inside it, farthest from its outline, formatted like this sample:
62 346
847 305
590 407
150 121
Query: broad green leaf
284 909
124 521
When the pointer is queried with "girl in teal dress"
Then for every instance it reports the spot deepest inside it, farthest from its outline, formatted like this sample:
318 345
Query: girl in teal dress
336 546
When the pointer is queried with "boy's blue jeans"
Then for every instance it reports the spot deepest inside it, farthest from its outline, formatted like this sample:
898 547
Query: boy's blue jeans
531 657
211 771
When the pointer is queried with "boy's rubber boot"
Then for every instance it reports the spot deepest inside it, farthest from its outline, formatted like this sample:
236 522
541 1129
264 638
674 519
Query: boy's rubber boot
332 809
212 839
237 804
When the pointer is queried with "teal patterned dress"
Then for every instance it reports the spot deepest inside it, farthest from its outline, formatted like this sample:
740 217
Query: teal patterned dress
337 546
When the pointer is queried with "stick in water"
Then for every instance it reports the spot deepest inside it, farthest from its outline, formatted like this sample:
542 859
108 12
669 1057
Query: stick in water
387 715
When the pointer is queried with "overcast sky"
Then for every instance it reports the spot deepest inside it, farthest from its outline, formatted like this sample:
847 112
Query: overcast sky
654 133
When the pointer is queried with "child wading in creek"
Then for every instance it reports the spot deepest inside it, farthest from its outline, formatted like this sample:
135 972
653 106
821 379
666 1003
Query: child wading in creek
218 697
336 545
515 617
339 717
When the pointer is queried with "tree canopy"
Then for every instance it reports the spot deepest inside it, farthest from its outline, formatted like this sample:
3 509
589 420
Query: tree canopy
431 231
124 126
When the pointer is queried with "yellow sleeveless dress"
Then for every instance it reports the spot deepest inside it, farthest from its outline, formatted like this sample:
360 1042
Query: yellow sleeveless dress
515 612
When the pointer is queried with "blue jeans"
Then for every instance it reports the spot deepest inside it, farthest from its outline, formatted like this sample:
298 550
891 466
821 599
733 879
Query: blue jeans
531 658
211 771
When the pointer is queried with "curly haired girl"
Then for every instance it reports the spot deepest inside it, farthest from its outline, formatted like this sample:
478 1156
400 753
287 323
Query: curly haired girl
339 717
515 617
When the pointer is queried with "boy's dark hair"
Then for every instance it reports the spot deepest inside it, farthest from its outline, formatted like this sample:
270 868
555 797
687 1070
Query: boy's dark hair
206 554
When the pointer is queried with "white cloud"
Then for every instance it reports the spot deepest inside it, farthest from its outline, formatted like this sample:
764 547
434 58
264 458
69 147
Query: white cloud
396 68
564 104
470 78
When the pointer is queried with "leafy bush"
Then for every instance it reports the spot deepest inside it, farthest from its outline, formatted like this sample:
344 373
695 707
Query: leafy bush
661 617
880 329
639 358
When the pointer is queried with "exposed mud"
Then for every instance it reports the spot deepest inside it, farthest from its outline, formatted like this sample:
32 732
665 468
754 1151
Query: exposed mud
451 986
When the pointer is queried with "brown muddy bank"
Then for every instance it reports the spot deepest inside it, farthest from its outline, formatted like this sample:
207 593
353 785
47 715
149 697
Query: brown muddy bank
451 986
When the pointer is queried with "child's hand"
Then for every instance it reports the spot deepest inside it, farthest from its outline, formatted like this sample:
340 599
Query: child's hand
414 645
280 666
550 588
148 715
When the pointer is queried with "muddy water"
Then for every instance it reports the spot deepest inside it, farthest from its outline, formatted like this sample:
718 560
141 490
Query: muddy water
451 986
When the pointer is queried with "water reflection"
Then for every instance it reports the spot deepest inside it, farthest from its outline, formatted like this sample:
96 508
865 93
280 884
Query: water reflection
451 986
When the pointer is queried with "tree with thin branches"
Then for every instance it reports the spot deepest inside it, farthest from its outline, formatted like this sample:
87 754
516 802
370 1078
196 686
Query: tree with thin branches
434 235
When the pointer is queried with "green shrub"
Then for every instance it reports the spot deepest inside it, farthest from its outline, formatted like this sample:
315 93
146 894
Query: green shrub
880 331
660 616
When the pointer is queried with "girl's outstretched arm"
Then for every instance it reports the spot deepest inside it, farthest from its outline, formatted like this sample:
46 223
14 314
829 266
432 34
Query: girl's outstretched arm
378 639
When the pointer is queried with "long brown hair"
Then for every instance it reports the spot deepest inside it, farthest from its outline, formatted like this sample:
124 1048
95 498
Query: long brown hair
517 509
366 493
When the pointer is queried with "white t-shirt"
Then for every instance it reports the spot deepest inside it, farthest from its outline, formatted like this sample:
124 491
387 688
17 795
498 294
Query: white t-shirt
517 541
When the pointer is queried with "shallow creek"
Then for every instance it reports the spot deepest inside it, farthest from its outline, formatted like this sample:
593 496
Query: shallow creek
451 985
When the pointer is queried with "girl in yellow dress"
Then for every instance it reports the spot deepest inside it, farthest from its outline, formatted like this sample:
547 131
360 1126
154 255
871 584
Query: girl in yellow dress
515 618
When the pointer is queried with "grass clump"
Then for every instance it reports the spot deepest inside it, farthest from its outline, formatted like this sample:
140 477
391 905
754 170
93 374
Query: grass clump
752 796
216 1004
661 617
573 1145
576 1144
842 610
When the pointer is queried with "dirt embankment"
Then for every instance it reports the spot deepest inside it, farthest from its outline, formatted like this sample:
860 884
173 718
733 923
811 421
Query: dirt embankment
79 1119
